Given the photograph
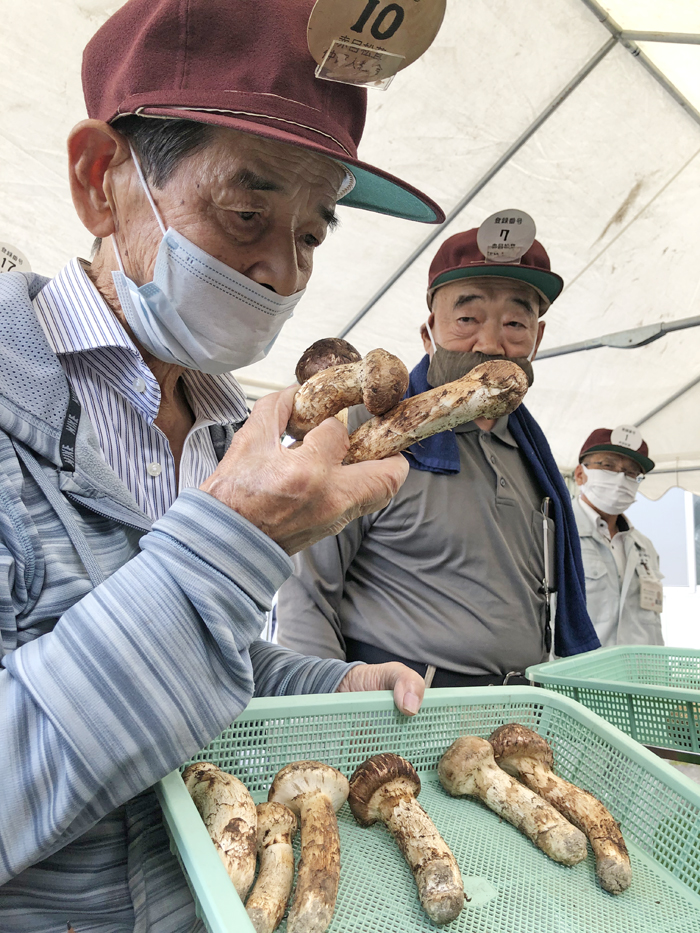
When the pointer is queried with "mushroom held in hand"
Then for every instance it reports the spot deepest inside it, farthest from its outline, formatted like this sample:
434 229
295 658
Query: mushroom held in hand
490 390
468 767
526 755
314 792
385 788
379 381
268 899
228 812
324 353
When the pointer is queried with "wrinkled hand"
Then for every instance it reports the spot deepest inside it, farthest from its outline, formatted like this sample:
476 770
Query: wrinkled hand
408 686
298 496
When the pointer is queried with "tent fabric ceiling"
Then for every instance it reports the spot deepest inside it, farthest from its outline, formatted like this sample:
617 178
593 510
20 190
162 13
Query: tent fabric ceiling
611 176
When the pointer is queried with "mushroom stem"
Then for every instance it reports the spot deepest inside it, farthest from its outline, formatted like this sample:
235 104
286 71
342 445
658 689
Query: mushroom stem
434 867
490 390
468 767
316 891
268 899
526 755
385 788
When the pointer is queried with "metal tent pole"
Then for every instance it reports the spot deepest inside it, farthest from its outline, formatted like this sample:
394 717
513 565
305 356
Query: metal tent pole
483 181
624 339
669 401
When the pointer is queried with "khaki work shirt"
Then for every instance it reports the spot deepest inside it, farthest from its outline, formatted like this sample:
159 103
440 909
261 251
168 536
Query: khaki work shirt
449 573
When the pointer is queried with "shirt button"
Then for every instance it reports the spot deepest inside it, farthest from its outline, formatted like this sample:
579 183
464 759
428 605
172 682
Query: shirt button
139 384
503 482
154 469
493 459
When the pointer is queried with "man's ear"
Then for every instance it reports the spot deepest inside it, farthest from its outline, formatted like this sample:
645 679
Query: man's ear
94 149
540 334
579 475
425 337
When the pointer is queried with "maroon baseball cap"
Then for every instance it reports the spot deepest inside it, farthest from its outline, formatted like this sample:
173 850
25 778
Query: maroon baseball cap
239 64
625 440
459 257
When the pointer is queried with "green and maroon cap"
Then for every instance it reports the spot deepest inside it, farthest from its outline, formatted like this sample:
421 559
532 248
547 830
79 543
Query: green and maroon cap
504 246
243 64
625 439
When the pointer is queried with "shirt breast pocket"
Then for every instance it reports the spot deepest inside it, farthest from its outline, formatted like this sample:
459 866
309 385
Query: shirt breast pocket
596 574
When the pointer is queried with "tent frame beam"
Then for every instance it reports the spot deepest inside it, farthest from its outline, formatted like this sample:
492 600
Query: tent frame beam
682 38
482 182
624 339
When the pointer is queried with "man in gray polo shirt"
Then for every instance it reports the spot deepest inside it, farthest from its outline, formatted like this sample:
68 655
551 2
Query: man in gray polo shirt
450 576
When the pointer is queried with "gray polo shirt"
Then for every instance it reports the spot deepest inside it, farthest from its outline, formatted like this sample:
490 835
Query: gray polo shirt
448 573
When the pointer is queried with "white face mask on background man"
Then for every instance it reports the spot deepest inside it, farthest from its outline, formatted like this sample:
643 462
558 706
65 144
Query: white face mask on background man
609 491
198 312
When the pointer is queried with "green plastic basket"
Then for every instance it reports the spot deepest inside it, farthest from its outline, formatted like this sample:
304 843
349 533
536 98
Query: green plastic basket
651 693
514 888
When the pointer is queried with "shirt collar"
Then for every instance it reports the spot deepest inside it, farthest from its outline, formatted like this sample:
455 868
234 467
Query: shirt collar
499 430
77 319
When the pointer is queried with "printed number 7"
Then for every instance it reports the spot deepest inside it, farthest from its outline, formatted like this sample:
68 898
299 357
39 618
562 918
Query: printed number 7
12 265
504 234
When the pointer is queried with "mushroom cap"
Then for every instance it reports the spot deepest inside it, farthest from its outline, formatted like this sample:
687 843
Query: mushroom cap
458 766
380 776
384 382
297 780
513 742
276 823
327 352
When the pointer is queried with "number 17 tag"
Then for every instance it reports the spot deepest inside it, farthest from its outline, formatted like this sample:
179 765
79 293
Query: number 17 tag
366 42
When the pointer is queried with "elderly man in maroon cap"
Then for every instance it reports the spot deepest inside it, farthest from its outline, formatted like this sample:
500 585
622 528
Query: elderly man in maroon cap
623 578
142 534
453 576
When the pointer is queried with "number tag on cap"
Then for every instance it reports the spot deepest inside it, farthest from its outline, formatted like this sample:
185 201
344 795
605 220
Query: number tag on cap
366 42
12 260
626 435
506 236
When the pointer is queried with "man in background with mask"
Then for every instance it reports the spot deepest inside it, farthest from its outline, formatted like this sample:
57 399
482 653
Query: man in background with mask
623 580
144 528
450 577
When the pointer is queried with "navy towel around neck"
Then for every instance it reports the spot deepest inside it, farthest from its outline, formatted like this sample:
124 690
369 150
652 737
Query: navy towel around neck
573 629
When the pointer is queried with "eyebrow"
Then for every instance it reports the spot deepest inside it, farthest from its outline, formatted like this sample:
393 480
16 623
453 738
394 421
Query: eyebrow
251 181
465 299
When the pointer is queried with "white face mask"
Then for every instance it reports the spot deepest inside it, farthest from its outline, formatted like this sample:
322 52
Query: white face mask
198 312
610 492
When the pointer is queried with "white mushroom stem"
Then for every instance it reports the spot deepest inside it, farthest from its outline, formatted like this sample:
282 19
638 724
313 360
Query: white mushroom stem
318 874
526 755
228 812
385 787
490 390
379 381
268 899
468 767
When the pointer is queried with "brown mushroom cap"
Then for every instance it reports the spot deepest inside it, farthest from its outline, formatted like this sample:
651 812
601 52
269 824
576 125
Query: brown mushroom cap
462 759
276 823
378 784
512 742
300 778
327 352
384 382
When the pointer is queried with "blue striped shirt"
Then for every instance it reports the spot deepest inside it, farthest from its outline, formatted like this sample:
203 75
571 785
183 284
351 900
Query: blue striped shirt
121 396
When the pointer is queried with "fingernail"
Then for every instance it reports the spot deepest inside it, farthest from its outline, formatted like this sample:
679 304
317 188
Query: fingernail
411 703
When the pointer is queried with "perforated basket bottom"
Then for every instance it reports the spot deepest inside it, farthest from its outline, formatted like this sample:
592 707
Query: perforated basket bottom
514 887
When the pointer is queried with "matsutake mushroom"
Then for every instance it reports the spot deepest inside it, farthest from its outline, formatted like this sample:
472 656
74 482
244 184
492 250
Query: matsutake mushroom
385 788
468 767
324 353
228 812
314 791
490 390
378 380
268 899
526 755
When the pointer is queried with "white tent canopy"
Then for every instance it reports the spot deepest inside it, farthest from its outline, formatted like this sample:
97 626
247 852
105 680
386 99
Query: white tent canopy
589 124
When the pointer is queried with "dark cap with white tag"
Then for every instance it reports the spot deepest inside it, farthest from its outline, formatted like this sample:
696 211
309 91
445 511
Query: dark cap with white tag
504 246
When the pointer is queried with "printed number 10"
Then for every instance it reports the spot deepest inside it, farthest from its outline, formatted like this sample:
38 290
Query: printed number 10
376 28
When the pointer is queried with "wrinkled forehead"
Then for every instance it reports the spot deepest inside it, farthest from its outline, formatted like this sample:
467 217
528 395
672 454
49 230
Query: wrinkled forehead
485 287
256 163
